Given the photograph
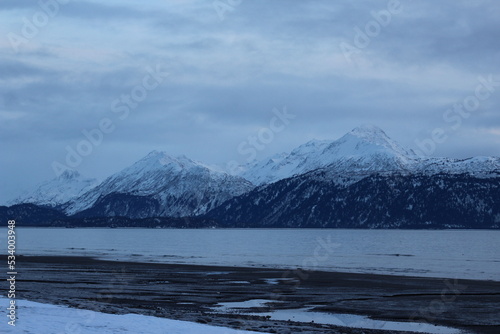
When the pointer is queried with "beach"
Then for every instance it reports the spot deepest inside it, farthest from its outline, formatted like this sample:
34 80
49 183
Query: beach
195 293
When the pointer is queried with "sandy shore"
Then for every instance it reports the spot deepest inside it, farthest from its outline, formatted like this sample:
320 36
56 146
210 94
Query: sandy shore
189 292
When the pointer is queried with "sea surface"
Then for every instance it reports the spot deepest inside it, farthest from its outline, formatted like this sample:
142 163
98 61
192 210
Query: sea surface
470 254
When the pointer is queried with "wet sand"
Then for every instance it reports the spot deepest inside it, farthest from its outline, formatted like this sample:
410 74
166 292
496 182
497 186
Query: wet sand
189 292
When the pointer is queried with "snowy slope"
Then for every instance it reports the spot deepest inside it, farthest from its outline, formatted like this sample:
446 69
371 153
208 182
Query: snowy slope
482 167
362 152
180 186
364 149
68 185
38 318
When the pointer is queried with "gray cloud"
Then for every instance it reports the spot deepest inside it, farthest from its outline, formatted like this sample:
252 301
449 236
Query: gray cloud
226 76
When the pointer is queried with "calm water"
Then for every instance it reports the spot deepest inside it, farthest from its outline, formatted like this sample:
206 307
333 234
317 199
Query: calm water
453 254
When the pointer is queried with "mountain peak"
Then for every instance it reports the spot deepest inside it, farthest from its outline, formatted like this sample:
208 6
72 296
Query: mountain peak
58 190
69 174
155 155
310 147
368 130
172 186
374 136
364 149
163 158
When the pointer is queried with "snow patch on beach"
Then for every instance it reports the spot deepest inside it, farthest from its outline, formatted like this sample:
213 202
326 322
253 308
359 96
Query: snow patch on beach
38 318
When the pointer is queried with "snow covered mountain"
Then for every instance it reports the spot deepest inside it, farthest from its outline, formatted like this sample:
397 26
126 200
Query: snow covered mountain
159 185
481 167
365 149
363 179
366 180
361 152
314 200
68 185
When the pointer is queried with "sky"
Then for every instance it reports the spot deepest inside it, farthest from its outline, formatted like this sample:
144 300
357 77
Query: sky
96 85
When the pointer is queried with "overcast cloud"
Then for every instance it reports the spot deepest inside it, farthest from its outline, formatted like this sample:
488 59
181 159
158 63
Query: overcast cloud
228 67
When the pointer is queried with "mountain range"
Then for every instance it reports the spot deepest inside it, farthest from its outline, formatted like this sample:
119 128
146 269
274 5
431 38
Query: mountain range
362 180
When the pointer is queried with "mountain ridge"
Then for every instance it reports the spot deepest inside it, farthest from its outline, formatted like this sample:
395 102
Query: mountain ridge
177 186
364 150
57 191
161 185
